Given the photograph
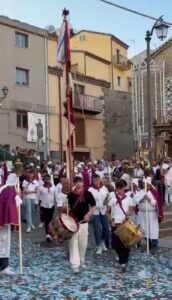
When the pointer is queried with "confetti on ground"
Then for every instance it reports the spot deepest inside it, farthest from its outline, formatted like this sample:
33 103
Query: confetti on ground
47 275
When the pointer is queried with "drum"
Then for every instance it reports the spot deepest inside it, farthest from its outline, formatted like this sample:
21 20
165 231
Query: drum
129 233
63 227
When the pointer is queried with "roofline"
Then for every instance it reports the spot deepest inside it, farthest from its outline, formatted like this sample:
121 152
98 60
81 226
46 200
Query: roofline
87 53
103 33
52 36
25 27
161 48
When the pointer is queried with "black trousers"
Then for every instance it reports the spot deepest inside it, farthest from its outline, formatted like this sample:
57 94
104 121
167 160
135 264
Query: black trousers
120 249
41 214
47 215
4 262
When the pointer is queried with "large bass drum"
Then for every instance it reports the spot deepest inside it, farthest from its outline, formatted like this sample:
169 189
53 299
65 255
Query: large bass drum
63 227
129 233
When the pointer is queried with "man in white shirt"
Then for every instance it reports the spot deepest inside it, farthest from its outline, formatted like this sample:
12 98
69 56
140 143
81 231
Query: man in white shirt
118 204
30 187
100 219
138 171
47 196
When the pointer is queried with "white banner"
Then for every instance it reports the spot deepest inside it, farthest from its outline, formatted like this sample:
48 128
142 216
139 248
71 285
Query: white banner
36 128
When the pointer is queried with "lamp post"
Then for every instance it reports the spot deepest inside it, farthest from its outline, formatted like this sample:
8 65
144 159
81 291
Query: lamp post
5 91
161 29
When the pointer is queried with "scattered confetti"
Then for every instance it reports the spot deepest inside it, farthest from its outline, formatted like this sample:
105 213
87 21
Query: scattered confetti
48 276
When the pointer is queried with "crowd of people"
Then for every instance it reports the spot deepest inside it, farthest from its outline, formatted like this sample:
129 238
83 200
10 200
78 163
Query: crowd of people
105 193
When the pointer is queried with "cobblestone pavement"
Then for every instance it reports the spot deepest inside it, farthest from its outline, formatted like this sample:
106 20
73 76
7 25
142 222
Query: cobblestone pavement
47 274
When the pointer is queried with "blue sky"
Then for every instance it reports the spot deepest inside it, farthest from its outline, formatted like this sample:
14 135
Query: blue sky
94 15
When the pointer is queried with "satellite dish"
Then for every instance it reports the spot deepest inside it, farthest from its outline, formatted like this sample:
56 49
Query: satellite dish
50 28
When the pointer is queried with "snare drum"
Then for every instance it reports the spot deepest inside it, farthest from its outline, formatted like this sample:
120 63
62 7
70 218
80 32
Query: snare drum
129 233
63 227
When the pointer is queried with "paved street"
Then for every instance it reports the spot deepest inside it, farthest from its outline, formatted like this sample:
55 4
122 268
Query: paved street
47 274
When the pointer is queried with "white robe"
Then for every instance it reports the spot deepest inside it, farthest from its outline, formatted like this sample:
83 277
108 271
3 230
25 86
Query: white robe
5 236
153 225
138 195
5 241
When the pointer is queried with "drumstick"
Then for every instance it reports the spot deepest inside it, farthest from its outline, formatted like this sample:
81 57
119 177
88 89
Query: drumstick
147 221
81 222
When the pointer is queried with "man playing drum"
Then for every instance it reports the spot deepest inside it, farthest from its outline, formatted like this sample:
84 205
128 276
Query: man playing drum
82 205
120 206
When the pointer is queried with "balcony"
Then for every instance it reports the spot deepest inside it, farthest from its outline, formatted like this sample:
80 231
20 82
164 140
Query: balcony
121 62
88 104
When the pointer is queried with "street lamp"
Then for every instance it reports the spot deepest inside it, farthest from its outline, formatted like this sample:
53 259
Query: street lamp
161 29
5 91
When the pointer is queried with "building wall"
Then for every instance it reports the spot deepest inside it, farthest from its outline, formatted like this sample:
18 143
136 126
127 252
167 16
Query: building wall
118 124
94 43
166 55
94 125
52 53
124 80
54 119
105 47
79 59
97 69
21 97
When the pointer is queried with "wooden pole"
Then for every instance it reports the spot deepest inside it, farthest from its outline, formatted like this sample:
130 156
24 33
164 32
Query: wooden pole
70 145
20 231
147 221
60 122
68 95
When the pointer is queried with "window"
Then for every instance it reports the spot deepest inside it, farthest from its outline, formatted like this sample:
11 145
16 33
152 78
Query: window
117 55
80 132
21 40
79 89
82 38
119 80
22 76
22 121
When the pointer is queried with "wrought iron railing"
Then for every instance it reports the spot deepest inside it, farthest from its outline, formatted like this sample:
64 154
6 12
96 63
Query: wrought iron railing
121 60
86 102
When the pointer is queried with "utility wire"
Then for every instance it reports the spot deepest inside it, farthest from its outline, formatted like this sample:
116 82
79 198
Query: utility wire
131 10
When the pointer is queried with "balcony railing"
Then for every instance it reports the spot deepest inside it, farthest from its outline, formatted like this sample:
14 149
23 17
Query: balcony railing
121 62
88 104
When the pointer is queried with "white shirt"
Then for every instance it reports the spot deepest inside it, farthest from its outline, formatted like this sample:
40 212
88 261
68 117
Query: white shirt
138 172
59 188
61 199
47 196
99 196
155 169
1 175
116 211
30 187
168 178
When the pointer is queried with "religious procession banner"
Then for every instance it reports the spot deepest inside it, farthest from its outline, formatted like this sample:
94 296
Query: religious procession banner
36 128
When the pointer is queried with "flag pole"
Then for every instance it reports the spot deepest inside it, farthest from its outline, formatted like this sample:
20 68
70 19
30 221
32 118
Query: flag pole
68 99
147 220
